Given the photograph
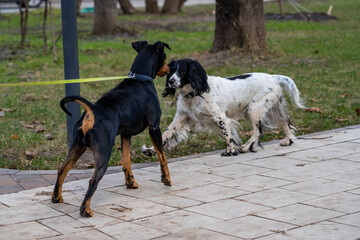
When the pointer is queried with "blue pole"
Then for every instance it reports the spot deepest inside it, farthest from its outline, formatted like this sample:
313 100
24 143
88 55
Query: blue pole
71 61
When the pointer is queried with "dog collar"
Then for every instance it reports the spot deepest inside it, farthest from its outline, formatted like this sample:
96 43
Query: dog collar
140 77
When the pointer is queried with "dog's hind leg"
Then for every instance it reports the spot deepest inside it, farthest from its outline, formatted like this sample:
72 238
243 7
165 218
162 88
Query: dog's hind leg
101 146
289 131
156 138
76 150
125 148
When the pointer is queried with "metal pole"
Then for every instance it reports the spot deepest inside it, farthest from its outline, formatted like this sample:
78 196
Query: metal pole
71 61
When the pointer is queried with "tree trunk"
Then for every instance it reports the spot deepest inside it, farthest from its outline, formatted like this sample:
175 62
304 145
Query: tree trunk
105 17
78 7
240 24
44 26
127 7
170 7
52 31
23 21
152 6
181 4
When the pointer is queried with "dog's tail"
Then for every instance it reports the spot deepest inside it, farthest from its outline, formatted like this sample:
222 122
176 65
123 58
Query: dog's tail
87 105
291 89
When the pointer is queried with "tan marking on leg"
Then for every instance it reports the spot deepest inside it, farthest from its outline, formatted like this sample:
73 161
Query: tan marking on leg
129 177
165 173
89 119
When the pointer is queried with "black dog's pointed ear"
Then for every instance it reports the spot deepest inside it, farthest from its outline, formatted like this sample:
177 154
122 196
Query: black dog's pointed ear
198 78
138 45
160 46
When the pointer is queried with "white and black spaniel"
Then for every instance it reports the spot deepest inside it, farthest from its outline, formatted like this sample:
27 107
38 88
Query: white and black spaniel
215 104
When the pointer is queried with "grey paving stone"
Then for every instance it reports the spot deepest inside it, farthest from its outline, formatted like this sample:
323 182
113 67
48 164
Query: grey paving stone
342 202
348 177
255 183
197 233
64 224
315 155
227 209
173 201
352 157
128 230
131 210
4 171
320 187
209 193
345 147
276 162
355 191
27 230
146 189
32 212
176 221
320 231
276 197
299 214
249 227
337 166
91 234
349 219
98 220
236 170
298 173
181 166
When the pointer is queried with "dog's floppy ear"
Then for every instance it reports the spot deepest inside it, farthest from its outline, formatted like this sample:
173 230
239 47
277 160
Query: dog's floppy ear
160 46
198 78
138 45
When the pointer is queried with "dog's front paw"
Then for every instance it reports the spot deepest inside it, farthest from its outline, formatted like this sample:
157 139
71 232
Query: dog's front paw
56 199
286 142
229 153
86 212
132 185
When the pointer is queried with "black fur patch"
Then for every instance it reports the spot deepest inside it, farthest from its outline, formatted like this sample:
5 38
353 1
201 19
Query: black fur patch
243 76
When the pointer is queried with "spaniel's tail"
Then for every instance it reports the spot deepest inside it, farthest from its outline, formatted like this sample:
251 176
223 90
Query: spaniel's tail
87 105
291 89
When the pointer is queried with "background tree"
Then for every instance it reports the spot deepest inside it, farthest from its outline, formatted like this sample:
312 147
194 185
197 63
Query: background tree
127 7
78 7
172 6
23 20
152 6
105 16
240 24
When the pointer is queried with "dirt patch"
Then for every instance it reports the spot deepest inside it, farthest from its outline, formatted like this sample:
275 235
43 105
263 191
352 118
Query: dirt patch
316 17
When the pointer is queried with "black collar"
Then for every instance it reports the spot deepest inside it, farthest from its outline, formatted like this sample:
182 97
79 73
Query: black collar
140 77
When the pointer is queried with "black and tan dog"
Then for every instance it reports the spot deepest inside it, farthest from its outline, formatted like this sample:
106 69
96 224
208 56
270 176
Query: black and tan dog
128 109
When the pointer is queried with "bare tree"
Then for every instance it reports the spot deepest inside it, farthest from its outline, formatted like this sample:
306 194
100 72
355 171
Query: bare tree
44 26
78 7
105 16
23 21
52 31
240 24
172 6
152 6
127 7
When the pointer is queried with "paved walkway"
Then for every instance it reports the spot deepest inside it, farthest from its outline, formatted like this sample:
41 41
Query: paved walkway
310 190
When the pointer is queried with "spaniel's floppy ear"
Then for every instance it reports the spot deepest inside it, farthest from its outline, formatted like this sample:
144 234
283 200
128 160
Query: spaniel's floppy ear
139 45
160 46
169 91
198 78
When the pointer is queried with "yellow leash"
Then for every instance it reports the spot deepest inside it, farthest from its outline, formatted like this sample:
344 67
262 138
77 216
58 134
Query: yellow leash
82 80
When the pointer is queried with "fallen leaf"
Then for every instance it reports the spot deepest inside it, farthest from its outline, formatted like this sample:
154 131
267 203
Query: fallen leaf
341 119
30 126
8 109
121 209
345 95
40 129
15 137
300 165
314 109
2 113
30 154
313 100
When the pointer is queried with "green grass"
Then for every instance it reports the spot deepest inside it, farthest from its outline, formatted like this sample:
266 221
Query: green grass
322 57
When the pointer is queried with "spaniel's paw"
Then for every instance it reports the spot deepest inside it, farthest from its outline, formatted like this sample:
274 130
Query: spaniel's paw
229 153
286 142
148 151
